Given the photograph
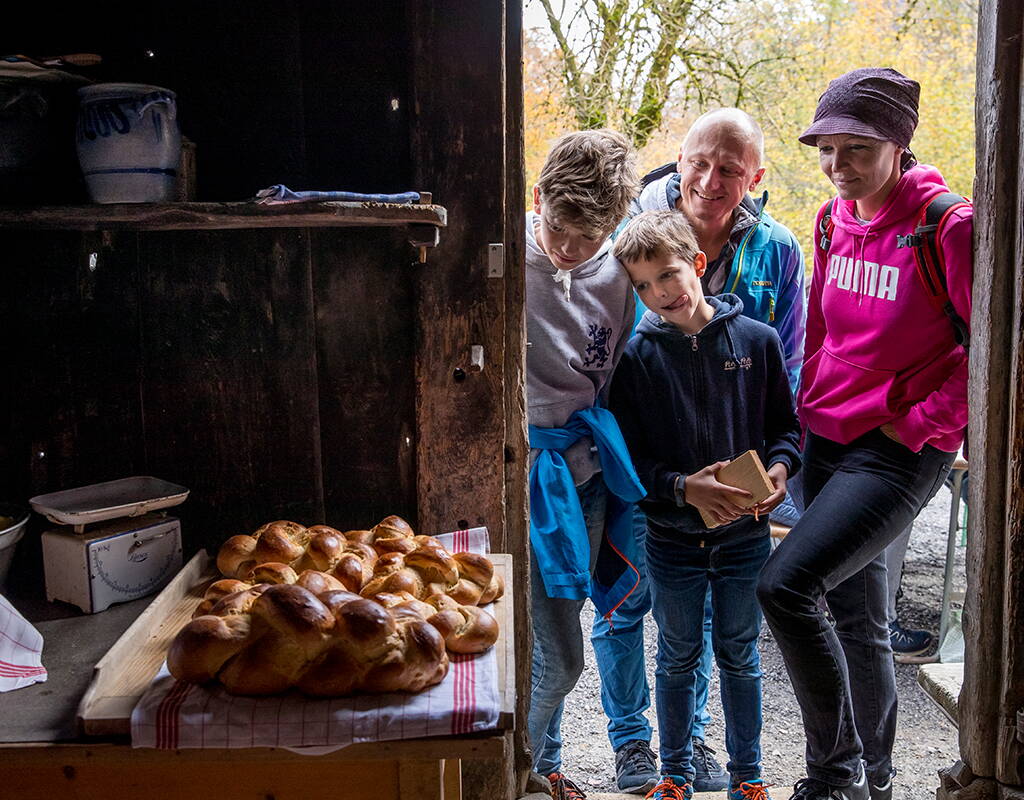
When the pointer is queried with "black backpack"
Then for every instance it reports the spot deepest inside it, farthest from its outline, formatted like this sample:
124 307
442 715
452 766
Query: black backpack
931 264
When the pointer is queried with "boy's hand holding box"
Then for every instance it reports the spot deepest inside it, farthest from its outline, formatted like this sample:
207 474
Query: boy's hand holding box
744 472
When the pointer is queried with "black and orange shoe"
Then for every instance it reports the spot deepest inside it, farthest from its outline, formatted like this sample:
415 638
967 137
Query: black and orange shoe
671 787
564 789
754 789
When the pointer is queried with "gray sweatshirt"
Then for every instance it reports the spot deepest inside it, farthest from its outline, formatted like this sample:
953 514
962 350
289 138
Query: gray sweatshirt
574 341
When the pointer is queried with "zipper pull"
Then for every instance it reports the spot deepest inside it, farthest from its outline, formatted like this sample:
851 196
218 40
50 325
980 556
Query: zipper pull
694 340
771 309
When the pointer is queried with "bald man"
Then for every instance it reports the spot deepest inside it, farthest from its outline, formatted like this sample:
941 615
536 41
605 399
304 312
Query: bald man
750 255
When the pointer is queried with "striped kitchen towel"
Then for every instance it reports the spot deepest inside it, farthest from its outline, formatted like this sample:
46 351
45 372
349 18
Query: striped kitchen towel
21 650
173 715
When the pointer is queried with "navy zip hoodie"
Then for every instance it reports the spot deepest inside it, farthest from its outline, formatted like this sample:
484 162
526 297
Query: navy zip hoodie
687 401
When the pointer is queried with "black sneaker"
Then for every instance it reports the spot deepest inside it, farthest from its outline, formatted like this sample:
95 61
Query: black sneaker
811 789
883 790
708 773
636 769
908 641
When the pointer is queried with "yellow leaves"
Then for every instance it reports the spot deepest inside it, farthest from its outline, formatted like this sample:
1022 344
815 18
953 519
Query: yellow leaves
821 39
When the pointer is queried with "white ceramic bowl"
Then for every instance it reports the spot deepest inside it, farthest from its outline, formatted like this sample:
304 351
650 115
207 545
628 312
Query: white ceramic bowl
10 536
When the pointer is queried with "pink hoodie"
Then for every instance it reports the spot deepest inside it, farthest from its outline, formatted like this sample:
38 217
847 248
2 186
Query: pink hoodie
878 348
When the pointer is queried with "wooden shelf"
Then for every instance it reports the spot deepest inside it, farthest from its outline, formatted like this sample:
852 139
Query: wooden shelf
221 216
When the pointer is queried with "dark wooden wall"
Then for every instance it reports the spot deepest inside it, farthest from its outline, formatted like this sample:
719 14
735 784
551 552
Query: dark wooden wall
271 372
281 372
314 374
270 91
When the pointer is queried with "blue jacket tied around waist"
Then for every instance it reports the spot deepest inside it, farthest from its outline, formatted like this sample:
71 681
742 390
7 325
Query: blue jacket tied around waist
558 532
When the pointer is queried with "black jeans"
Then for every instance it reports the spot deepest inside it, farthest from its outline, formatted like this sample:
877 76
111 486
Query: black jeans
859 497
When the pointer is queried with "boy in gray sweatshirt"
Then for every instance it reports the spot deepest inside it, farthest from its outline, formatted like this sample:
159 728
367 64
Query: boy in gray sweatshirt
579 313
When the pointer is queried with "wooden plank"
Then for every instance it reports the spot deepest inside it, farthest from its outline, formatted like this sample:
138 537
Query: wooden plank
460 418
363 283
517 521
452 779
85 776
126 671
230 397
421 779
991 392
473 746
219 216
942 684
69 342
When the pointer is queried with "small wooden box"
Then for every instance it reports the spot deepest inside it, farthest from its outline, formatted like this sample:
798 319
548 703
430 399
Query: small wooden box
743 472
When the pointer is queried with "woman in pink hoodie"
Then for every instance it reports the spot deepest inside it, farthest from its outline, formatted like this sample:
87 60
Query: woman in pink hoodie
884 405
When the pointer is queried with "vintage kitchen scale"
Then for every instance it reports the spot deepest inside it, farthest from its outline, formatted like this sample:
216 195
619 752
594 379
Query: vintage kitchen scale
114 543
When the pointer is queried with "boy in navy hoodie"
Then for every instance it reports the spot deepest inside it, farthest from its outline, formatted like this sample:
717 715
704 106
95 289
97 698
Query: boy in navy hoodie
698 385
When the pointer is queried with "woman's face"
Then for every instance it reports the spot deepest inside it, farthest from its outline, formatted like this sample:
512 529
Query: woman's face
862 169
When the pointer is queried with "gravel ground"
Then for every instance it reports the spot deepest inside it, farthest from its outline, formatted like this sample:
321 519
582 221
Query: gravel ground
925 739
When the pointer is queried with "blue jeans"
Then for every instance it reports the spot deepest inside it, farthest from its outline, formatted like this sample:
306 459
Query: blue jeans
859 497
679 588
619 652
792 506
558 643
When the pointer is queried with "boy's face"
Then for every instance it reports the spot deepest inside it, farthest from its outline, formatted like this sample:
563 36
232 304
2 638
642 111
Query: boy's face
670 287
566 245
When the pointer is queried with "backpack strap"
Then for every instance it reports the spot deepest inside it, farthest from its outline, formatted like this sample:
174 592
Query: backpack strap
826 226
929 258
658 172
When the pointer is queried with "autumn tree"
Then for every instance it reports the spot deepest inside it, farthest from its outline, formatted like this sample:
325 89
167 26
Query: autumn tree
779 57
621 61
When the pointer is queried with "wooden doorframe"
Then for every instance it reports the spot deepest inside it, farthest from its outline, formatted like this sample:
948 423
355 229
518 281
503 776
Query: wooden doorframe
991 706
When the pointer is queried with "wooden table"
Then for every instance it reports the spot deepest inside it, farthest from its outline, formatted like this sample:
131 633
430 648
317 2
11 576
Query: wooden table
108 767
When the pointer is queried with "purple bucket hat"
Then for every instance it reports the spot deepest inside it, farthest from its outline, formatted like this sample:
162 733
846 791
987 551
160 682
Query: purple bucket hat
876 102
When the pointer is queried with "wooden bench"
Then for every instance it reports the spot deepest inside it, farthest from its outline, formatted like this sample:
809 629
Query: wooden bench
942 683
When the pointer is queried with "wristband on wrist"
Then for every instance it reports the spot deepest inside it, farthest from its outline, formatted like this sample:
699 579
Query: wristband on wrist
679 489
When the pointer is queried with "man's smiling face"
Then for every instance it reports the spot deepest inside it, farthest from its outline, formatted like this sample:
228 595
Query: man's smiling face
718 165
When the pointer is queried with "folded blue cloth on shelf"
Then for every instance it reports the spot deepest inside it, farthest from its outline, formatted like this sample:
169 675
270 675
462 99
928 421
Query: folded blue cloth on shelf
279 193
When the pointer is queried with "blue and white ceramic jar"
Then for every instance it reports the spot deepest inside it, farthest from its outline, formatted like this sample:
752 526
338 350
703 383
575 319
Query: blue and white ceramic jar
128 140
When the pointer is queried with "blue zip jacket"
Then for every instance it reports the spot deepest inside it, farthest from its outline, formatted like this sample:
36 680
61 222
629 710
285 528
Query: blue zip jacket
687 401
767 271
558 532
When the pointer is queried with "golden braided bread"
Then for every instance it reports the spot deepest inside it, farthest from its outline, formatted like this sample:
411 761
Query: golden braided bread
270 637
389 557
465 629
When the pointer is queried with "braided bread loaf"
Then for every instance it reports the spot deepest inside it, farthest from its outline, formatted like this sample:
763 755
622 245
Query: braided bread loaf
466 629
389 557
268 637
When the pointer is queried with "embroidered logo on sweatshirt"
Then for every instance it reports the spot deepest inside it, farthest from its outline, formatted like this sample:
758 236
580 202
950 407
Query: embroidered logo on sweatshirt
863 277
744 363
598 350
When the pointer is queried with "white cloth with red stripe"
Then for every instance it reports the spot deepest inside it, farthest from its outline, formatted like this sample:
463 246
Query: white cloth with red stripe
21 650
174 715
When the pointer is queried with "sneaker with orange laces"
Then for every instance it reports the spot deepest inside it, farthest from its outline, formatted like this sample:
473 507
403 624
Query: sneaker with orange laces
564 789
754 789
671 787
